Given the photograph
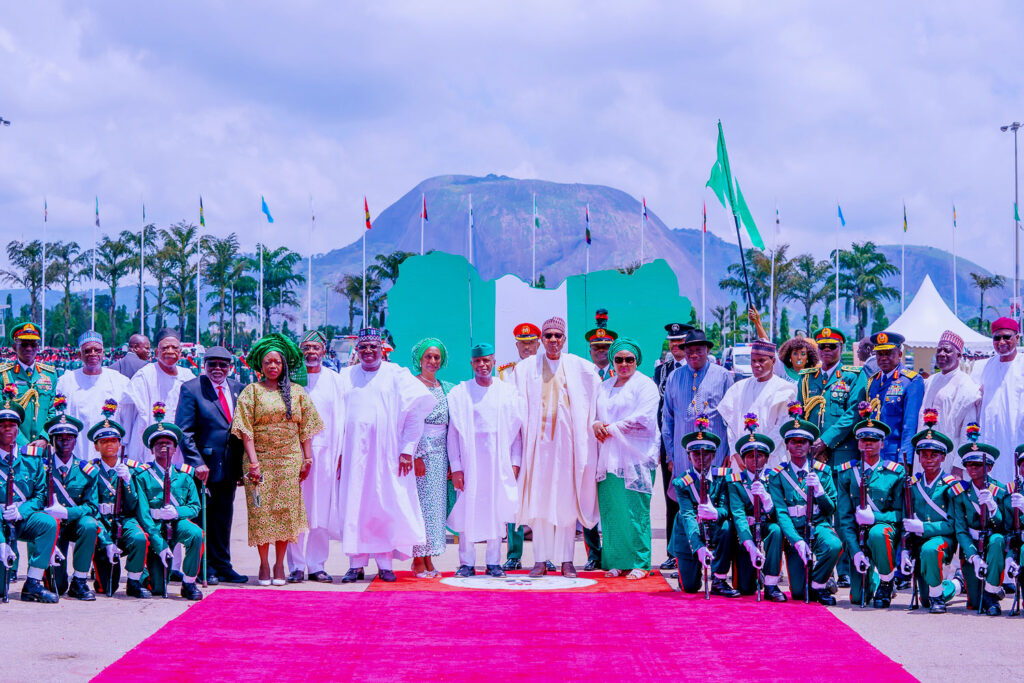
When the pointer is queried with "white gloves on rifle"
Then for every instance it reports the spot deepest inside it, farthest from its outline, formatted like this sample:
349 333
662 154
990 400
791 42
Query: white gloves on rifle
707 512
56 557
165 556
1017 501
704 556
11 513
865 516
122 471
758 489
980 566
814 484
7 556
803 550
912 525
106 508
985 498
906 563
167 512
756 556
113 552
861 563
57 511
1011 568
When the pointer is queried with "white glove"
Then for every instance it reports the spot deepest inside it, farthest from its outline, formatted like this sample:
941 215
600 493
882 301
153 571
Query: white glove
12 513
166 512
7 556
756 556
57 511
803 550
1017 501
113 552
707 512
906 563
106 508
1011 568
758 489
913 526
121 470
704 556
56 557
165 556
814 484
985 498
865 516
861 563
980 566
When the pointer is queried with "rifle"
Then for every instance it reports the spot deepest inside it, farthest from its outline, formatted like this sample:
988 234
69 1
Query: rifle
50 466
862 533
9 533
982 542
116 526
809 532
1015 609
906 539
203 493
704 526
757 536
166 525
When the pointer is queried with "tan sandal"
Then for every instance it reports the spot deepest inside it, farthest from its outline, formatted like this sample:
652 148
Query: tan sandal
636 574
614 573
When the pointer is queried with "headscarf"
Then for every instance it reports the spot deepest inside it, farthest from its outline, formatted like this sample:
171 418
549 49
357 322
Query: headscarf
288 350
421 348
625 344
314 336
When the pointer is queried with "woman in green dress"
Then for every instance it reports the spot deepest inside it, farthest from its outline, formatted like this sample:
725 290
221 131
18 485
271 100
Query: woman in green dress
276 421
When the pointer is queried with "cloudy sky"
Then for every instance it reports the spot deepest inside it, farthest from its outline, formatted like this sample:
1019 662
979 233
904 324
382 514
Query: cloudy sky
871 104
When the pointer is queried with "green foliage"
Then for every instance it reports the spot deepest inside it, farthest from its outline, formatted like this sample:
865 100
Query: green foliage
983 283
784 325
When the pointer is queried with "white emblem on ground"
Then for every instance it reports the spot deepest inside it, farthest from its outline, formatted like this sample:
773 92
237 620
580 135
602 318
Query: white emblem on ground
518 582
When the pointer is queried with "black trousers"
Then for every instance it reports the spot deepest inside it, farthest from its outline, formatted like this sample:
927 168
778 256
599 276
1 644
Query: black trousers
219 509
671 506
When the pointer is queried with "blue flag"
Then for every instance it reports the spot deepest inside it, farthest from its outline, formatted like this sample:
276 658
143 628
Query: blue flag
842 221
266 209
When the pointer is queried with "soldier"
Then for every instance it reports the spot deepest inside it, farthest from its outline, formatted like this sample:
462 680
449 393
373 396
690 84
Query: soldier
23 481
74 504
702 534
131 518
868 531
931 520
35 382
789 485
744 490
174 521
972 496
895 395
1013 516
675 335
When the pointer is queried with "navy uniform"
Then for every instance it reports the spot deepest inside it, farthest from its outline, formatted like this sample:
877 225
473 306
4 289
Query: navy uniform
788 485
175 521
896 398
744 490
36 386
980 566
598 339
702 535
24 481
523 332
74 507
884 510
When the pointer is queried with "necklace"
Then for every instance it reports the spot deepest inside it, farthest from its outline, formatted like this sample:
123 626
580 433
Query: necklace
430 383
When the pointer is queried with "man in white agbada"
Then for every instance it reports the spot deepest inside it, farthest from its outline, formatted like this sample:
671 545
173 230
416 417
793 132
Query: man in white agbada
375 503
323 385
160 381
89 387
954 395
485 451
765 394
1002 397
557 485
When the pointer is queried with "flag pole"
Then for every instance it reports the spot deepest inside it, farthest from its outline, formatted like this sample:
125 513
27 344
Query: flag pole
423 205
262 321
42 335
95 238
643 221
309 269
771 283
199 263
955 307
533 232
835 321
703 282
366 322
586 272
469 270
142 272
903 263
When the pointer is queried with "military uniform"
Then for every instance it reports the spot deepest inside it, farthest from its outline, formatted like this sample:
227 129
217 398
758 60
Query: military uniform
896 398
830 399
36 386
185 499
74 487
135 523
1015 529
25 474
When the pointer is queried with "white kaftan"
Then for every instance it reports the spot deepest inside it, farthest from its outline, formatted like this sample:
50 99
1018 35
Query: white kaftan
148 386
1002 411
86 395
631 413
769 400
324 389
956 397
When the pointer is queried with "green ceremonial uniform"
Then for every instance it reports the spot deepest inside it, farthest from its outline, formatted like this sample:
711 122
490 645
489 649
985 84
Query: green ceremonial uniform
36 388
789 494
29 496
967 523
741 507
884 482
185 499
74 487
1015 542
686 535
933 505
830 402
136 522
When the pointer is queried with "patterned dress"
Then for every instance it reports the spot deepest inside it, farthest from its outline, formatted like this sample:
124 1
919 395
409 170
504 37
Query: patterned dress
433 486
260 415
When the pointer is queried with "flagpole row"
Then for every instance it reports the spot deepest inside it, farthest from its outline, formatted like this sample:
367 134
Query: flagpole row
42 335
309 269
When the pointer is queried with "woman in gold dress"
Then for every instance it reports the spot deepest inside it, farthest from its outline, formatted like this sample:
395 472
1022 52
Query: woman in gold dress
276 420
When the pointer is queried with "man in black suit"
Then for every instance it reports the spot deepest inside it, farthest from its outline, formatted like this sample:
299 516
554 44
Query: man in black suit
676 336
204 416
136 358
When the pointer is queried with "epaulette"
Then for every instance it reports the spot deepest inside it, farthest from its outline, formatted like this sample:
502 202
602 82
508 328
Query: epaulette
778 468
1011 487
846 465
916 477
818 465
892 466
957 488
993 488
186 469
4 367
948 479
87 467
131 463
687 479
733 476
46 367
722 472
506 366
851 368
809 371
33 451
143 467
910 373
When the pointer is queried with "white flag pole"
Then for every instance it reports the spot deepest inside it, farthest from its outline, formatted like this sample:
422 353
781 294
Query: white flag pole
199 266
956 312
469 270
533 233
42 336
309 269
142 272
771 284
261 316
835 321
366 321
423 204
903 264
95 244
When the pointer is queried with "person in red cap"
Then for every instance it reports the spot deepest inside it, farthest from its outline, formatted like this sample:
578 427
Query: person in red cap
1002 409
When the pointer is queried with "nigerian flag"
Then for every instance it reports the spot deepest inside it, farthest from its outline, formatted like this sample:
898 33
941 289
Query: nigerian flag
727 189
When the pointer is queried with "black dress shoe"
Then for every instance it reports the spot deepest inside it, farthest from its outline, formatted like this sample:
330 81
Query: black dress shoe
211 579
190 591
175 576
1009 588
989 605
297 576
844 580
465 570
231 576
321 577
387 575
495 571
959 576
569 570
670 563
353 575
721 587
883 596
549 565
902 584
938 606
822 597
35 591
590 566
831 586
135 589
512 565
79 589
774 594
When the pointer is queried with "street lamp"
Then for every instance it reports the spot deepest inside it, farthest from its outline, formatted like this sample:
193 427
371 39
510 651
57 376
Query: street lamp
1015 126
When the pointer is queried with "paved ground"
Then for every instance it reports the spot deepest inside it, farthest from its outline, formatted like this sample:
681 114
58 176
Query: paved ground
73 641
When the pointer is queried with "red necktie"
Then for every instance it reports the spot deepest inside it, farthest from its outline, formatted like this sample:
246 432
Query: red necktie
224 403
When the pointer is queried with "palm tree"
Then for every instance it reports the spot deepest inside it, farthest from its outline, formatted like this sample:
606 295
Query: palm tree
983 283
351 287
387 265
719 313
807 284
114 259
221 260
862 273
180 251
26 270
243 292
147 248
68 269
280 278
158 266
759 269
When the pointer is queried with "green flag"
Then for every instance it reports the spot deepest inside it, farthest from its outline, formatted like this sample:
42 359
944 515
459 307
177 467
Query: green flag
722 184
747 219
1016 213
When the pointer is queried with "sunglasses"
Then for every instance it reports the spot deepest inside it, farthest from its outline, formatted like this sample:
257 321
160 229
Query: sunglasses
628 360
1003 337
828 347
553 335
217 365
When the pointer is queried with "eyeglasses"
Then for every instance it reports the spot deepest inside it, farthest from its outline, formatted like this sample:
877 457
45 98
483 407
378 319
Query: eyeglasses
1003 337
828 347
217 365
553 335
627 360
367 347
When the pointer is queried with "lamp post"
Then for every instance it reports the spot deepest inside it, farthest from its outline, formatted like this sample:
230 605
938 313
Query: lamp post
1015 126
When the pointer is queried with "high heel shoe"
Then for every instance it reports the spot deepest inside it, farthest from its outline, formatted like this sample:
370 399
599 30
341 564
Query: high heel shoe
279 582
263 582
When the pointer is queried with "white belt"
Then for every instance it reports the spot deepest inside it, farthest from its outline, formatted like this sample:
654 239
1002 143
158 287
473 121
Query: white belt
430 429
797 510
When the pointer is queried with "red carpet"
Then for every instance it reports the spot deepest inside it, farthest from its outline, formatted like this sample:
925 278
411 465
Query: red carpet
267 635
408 582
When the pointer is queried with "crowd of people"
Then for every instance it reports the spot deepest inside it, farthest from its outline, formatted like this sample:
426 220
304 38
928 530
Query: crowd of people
876 480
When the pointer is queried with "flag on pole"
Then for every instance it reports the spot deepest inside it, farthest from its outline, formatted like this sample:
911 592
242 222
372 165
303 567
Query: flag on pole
366 208
97 212
1016 214
842 221
536 218
266 209
144 211
727 189
904 217
644 200
704 210
424 214
954 216
202 221
46 211
587 215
